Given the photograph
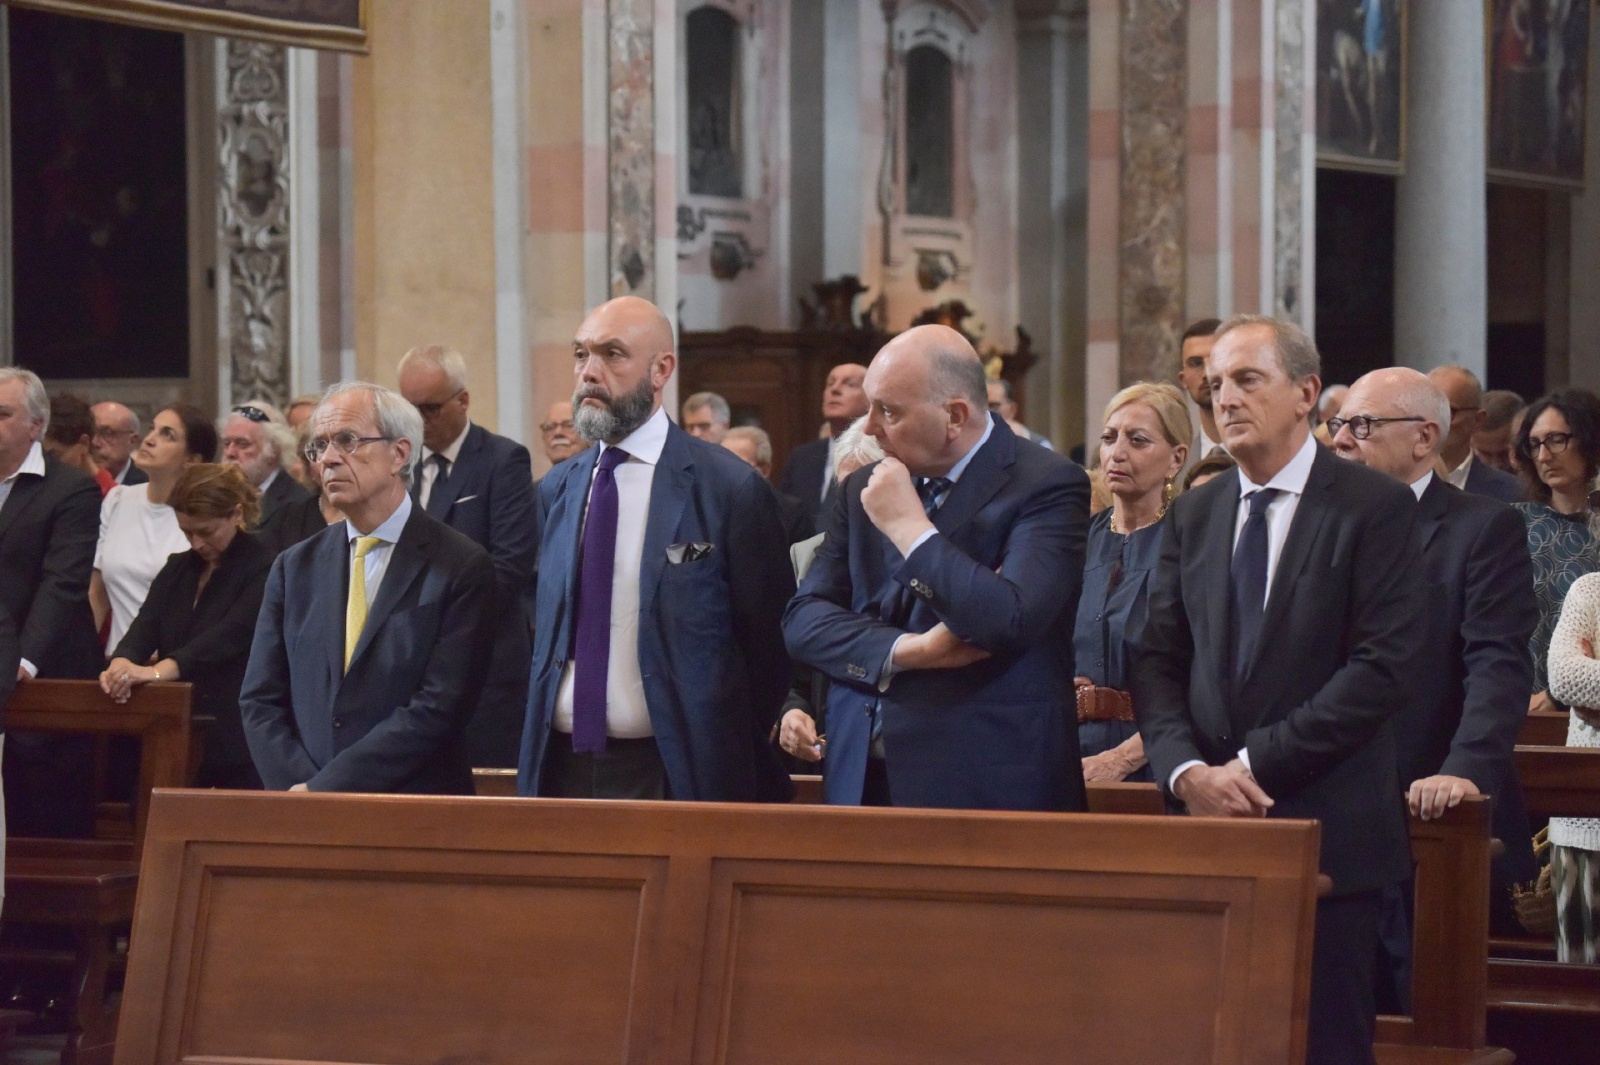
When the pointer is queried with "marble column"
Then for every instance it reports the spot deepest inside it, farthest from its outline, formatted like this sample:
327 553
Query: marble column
1583 333
1441 275
1052 203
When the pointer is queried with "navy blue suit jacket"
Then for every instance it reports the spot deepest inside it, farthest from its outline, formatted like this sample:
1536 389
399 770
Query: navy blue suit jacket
1003 572
394 722
1343 631
1470 693
710 642
802 475
1484 480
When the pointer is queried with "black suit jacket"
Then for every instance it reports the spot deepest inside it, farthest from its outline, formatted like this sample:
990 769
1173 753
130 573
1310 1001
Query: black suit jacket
48 530
291 523
10 656
394 722
1470 691
797 521
134 475
1343 629
1484 480
802 475
280 493
208 637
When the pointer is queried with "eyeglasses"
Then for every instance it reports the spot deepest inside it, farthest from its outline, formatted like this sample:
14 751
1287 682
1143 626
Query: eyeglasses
1555 443
111 432
550 427
1361 425
346 443
431 410
255 414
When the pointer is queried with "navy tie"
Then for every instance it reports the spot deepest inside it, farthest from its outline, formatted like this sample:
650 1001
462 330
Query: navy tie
592 646
930 489
1249 573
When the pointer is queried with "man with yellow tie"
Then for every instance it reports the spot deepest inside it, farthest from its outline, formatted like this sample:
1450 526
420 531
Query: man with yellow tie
374 636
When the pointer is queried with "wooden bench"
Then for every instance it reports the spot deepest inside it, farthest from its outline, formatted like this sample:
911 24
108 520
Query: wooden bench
412 928
87 887
1543 728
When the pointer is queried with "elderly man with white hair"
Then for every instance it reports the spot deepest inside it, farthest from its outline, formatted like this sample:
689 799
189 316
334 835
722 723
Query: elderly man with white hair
257 439
374 634
1455 734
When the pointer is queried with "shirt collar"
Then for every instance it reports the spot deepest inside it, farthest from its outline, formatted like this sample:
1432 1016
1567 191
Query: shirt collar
961 466
453 450
1466 465
1420 485
389 531
266 482
645 443
33 464
1292 478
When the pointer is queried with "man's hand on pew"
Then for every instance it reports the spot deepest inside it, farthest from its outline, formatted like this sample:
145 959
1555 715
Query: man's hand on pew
797 734
1430 797
1222 791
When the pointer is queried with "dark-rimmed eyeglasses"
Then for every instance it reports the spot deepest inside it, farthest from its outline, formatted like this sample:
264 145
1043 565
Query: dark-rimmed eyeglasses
430 411
550 427
346 443
1361 425
1555 443
255 414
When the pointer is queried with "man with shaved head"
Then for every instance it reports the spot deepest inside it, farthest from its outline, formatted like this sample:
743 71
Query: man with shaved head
941 599
116 435
808 475
658 662
1456 732
1465 395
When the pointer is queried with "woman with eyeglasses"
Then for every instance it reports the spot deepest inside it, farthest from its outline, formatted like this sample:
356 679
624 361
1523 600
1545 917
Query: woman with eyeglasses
138 529
197 621
1559 446
1142 449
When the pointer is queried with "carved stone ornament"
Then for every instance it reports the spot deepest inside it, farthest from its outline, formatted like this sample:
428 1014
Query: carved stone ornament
253 209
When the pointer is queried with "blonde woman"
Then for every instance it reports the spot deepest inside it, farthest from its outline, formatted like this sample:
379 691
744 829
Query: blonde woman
1142 449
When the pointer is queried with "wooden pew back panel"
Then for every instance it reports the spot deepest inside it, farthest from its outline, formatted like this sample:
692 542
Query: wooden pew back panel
412 929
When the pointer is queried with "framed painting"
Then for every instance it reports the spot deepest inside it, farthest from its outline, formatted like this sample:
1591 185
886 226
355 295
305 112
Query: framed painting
333 24
1361 83
1538 82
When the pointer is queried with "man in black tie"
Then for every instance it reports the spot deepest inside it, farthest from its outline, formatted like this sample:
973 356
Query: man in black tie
1285 617
481 485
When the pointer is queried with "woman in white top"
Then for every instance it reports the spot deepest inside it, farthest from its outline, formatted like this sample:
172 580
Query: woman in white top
138 531
1575 841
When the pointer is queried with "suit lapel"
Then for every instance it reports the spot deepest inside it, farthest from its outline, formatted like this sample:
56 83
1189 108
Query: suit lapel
984 476
445 492
333 557
1431 511
1217 548
411 553
669 493
23 490
1307 525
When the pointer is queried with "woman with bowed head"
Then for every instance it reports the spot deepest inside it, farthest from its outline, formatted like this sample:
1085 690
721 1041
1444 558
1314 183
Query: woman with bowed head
199 617
1558 444
138 529
1142 448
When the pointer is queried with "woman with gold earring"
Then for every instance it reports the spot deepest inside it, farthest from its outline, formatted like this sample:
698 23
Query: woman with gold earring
1142 448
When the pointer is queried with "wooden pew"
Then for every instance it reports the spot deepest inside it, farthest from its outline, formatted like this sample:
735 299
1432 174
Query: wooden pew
1543 728
87 887
412 928
1527 987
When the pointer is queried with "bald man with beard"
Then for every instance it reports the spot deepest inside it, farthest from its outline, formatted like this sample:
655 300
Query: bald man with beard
658 665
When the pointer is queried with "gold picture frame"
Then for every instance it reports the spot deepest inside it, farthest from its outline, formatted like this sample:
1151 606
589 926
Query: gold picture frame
335 25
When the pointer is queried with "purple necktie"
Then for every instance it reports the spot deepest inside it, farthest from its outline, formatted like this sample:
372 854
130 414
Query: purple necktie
592 649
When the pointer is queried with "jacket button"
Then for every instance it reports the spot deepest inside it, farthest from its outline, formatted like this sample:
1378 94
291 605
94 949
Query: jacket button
338 722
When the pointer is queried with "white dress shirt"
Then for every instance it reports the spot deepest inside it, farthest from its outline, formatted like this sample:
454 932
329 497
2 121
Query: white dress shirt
32 463
377 560
1459 475
430 469
1420 486
1290 483
627 715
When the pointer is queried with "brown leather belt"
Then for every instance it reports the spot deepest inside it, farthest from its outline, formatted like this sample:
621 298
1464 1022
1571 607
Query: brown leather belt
1103 704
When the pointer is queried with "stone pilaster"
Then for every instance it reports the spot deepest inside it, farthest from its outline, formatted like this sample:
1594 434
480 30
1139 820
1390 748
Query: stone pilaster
631 144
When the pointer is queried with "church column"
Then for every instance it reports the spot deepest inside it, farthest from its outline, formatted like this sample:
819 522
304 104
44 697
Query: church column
1052 180
1441 271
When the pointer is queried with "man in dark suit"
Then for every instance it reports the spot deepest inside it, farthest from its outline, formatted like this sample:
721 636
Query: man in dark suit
808 475
374 635
940 602
1456 732
116 436
752 444
49 523
658 660
257 439
1254 704
481 485
1465 395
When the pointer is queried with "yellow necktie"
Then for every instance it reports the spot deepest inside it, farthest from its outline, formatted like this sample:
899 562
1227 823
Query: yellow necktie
355 610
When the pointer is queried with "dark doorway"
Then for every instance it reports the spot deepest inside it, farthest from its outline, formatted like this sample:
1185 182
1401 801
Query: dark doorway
1355 273
99 198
